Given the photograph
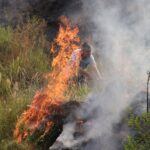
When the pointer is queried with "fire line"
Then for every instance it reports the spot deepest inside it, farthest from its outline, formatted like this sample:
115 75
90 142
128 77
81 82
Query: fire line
46 101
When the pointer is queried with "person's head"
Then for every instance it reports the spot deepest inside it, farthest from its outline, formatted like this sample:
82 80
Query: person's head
86 50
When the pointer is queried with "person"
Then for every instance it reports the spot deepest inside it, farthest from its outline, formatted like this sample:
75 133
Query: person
86 59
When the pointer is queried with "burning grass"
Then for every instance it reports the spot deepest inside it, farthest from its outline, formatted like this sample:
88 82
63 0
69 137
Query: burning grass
21 76
47 101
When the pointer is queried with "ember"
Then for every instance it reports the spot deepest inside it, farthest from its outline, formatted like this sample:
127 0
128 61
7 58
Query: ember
39 117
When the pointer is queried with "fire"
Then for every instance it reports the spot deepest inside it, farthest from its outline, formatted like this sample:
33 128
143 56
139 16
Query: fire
46 102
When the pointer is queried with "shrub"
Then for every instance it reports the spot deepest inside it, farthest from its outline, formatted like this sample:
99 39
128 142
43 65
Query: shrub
140 140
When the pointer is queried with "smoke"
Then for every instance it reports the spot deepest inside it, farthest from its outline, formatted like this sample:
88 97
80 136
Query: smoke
123 29
121 38
13 12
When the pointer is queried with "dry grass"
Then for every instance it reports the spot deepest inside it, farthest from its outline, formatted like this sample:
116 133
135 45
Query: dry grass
23 62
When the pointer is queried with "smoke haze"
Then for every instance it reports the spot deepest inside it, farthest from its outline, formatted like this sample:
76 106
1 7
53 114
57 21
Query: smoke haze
13 12
121 38
122 33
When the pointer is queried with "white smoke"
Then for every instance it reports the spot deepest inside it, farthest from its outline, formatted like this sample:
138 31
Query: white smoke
123 29
121 34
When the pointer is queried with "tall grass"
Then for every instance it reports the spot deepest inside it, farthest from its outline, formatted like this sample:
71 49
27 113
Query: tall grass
22 56
23 62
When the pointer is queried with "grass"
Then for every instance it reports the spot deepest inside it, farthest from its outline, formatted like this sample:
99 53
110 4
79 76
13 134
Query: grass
23 61
10 110
13 145
78 92
22 56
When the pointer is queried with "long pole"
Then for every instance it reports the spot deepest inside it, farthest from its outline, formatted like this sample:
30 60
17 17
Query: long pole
148 91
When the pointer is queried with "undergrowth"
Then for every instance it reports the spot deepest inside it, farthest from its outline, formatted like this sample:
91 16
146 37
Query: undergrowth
23 63
140 135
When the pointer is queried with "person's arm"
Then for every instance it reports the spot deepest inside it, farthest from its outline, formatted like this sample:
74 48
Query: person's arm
95 69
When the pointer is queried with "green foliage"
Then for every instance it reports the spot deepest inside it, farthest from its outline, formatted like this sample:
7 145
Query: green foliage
28 71
131 144
5 38
5 43
11 109
5 86
23 61
13 145
22 56
77 92
141 128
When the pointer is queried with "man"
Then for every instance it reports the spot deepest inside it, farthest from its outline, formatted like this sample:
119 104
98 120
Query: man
86 59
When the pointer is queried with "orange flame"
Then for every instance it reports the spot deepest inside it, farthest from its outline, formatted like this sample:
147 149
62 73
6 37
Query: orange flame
45 102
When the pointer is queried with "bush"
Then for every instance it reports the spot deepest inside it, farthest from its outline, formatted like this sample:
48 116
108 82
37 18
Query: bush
140 140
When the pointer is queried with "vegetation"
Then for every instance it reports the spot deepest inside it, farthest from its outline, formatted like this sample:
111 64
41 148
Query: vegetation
140 138
23 61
